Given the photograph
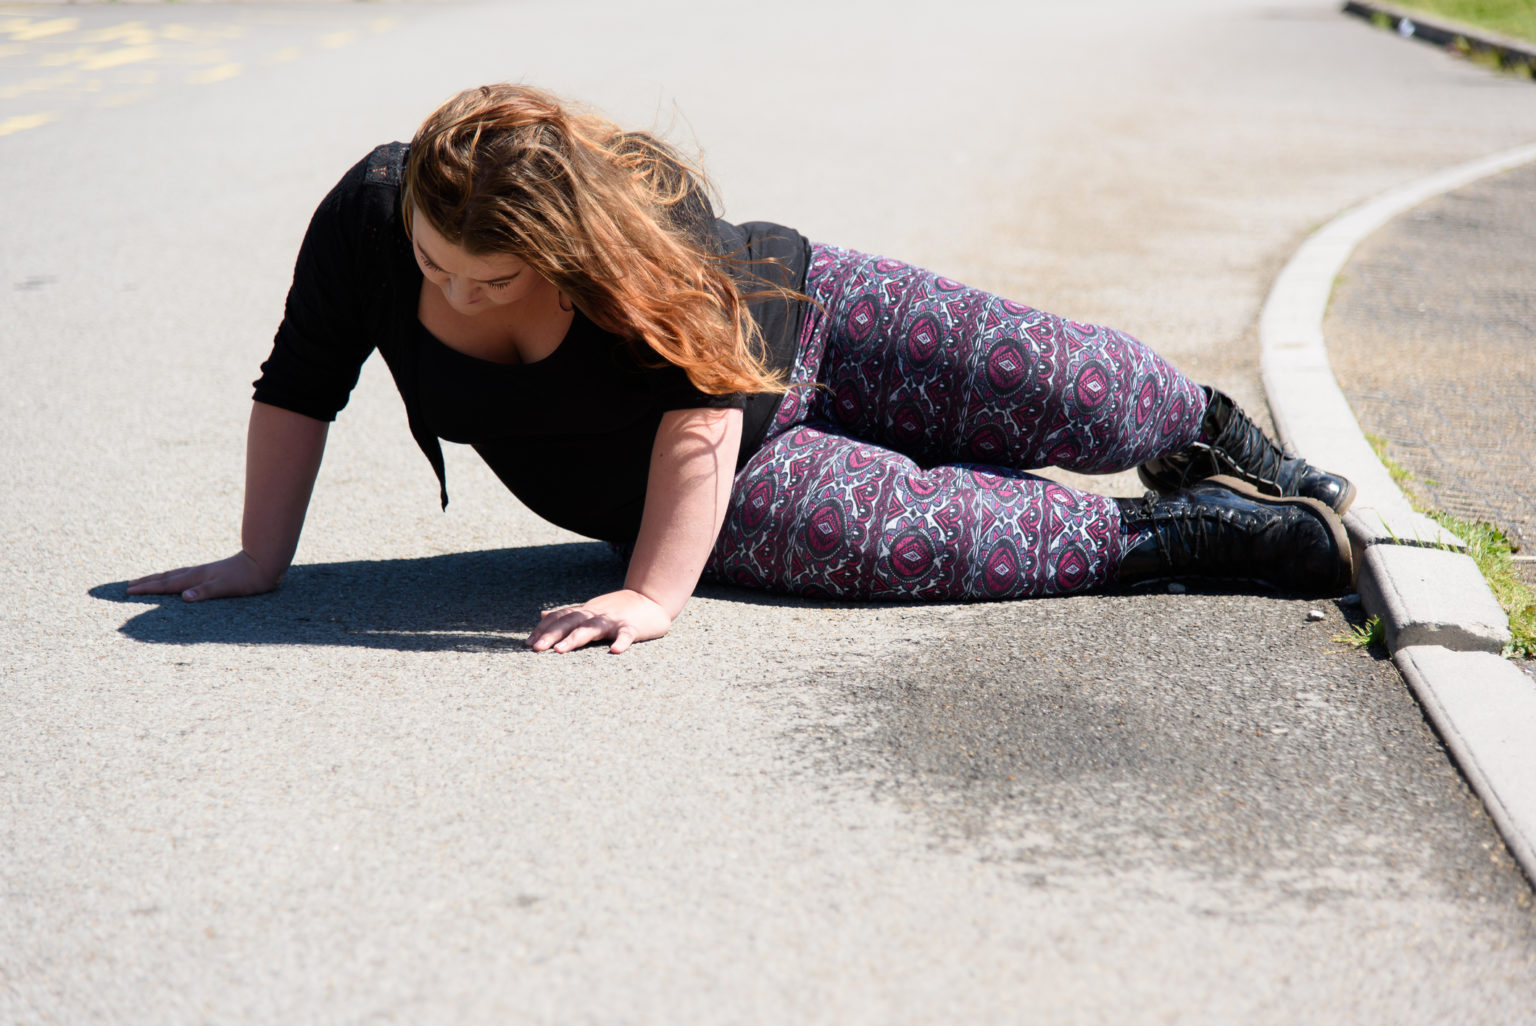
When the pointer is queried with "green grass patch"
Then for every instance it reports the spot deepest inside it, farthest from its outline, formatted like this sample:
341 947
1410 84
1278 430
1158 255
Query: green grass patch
1364 635
1514 18
1401 475
1490 550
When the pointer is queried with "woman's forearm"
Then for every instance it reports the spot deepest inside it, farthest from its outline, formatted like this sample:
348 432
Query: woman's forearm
687 494
688 490
282 458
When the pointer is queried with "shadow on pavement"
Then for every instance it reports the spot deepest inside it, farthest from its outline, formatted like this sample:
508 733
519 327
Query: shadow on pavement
461 602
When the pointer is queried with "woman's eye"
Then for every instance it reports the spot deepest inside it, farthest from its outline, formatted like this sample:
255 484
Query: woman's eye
501 284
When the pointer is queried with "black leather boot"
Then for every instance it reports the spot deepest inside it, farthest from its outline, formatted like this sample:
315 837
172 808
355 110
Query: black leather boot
1225 529
1243 451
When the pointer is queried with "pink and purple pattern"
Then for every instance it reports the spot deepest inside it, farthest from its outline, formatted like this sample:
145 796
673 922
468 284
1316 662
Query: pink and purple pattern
901 474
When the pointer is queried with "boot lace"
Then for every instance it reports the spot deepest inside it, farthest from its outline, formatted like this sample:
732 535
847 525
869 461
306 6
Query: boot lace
1251 453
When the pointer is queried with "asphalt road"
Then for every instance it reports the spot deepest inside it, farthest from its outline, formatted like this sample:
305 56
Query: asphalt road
359 799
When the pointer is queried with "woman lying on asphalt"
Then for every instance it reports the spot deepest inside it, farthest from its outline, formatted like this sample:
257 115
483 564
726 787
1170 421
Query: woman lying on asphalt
746 405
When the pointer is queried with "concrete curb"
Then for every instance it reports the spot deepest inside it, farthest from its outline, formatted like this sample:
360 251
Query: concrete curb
1485 710
1463 39
1443 626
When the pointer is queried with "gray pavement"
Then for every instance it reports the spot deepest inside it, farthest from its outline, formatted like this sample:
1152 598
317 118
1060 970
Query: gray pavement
358 799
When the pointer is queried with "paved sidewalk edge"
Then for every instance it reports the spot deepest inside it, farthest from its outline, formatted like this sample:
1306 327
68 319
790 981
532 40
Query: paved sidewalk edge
1314 418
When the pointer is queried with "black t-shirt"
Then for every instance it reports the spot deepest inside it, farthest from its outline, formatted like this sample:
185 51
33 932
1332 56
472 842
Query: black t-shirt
571 434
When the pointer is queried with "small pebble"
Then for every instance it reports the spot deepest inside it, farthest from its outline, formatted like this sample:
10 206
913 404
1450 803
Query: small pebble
1175 588
1315 615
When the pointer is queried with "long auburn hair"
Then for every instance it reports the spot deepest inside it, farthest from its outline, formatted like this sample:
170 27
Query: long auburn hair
603 214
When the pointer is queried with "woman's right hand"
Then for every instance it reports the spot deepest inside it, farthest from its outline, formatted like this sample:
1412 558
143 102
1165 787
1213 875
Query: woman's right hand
282 455
228 578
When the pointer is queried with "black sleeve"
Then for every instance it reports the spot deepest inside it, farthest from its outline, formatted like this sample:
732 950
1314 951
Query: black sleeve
323 338
655 384
670 389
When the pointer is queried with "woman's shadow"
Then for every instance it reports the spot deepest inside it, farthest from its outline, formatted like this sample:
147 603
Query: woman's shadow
461 602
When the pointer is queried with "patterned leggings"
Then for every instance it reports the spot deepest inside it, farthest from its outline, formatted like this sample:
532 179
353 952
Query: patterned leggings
901 475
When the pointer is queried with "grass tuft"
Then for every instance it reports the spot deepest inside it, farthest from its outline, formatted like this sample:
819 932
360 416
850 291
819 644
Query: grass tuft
1489 548
1401 475
1363 635
1489 59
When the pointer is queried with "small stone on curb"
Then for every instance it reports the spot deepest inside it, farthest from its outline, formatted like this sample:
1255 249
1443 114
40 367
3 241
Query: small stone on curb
1314 615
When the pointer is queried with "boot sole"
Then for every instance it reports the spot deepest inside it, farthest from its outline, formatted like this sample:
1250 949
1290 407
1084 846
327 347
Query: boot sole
1345 579
1347 499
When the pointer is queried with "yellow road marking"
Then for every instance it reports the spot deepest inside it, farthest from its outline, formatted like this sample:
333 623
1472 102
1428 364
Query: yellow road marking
217 74
59 58
36 85
25 121
117 58
123 98
133 33
178 33
217 55
337 39
39 29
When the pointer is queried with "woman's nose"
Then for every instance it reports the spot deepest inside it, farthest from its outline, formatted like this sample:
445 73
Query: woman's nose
462 290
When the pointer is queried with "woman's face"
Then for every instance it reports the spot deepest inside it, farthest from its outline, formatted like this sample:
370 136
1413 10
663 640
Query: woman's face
471 284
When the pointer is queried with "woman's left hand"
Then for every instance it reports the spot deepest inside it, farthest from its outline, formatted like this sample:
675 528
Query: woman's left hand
687 491
624 616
